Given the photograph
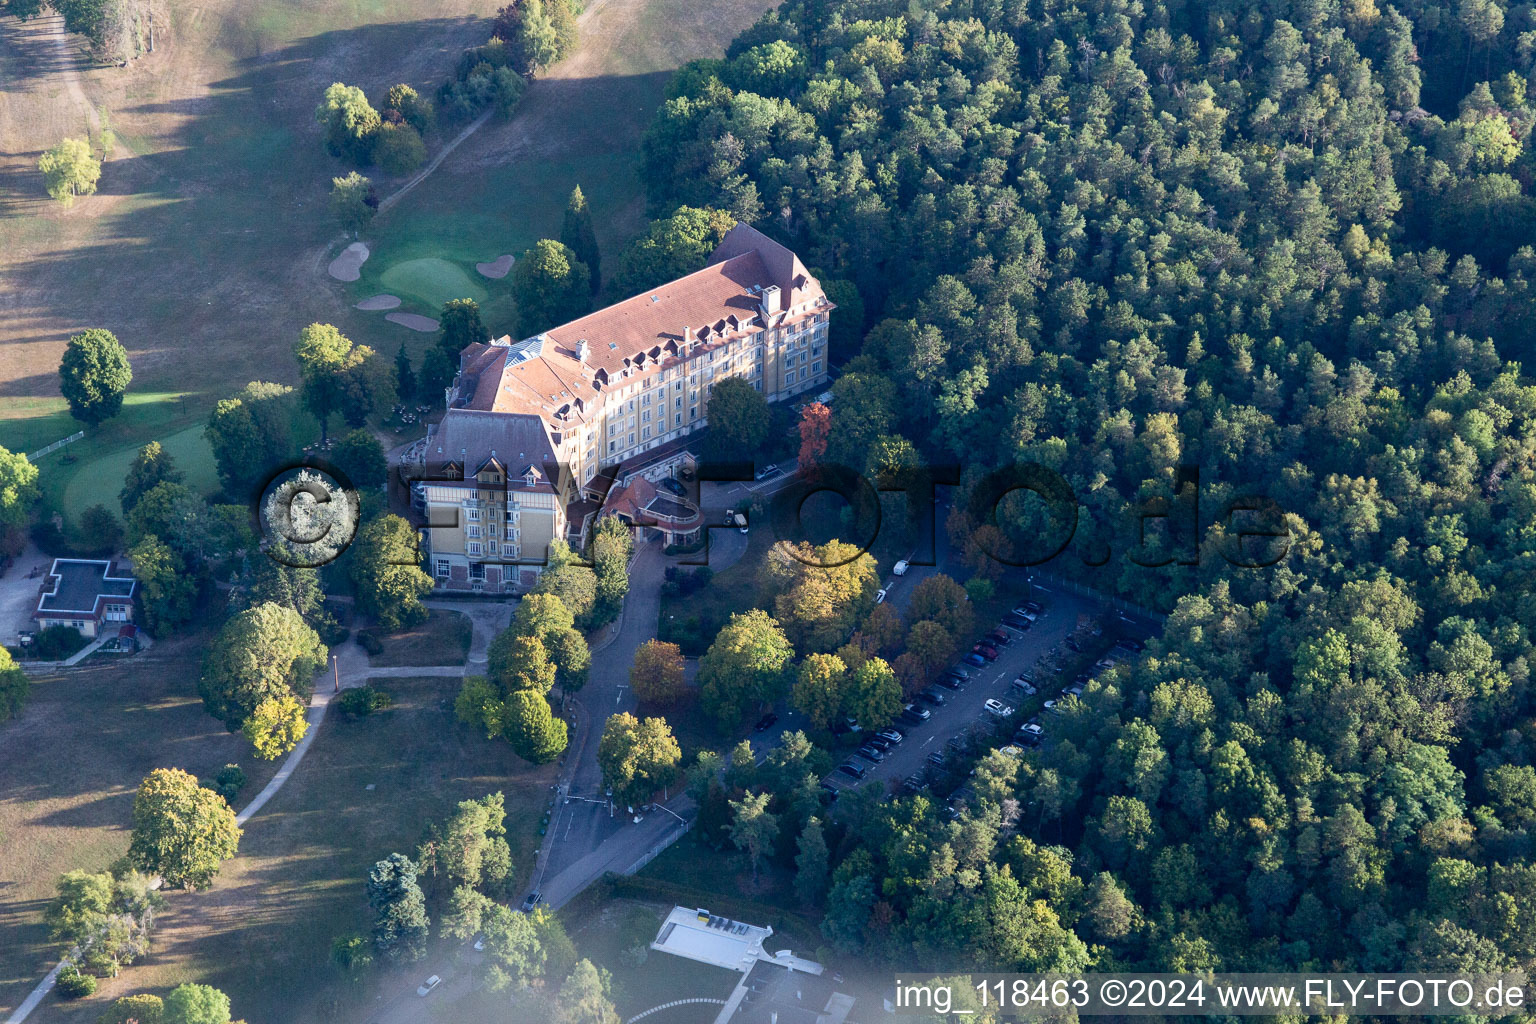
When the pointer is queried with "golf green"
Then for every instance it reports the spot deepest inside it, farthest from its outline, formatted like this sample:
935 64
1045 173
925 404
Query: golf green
431 281
98 482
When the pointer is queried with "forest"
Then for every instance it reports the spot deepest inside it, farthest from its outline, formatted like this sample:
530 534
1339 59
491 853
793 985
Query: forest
1283 244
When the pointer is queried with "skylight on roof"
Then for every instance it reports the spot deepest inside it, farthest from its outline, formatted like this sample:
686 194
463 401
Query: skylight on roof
613 344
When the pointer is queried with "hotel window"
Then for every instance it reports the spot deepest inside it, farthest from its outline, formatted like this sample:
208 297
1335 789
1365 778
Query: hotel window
645 400
474 549
474 531
693 413
511 515
647 433
631 440
612 445
816 366
679 420
679 401
646 416
490 530
493 547
789 378
442 567
474 514
477 571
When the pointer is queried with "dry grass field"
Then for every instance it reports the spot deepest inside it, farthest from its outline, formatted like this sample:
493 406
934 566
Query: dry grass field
206 245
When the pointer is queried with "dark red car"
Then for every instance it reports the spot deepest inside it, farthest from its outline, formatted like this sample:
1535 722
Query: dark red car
986 651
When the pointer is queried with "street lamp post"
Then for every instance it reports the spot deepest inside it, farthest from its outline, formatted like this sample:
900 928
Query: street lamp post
336 669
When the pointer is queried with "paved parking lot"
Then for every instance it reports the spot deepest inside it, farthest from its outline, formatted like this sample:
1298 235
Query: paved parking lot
963 708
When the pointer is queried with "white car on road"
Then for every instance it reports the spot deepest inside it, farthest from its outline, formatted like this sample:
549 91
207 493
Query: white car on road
900 568
996 707
428 985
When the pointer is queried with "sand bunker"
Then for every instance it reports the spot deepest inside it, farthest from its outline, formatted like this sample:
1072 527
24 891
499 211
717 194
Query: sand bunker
415 321
380 302
496 269
348 266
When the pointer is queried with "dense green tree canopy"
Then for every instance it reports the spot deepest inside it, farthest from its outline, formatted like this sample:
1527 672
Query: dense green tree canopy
94 375
1286 246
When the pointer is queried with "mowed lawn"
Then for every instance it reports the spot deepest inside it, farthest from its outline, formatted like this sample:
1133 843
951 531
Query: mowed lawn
442 640
263 933
69 766
617 934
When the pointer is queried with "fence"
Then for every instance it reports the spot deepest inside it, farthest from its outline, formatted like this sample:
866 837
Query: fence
50 449
656 850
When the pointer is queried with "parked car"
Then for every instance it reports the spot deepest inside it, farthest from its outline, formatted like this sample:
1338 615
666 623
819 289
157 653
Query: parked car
1104 664
890 736
974 659
936 759
949 682
1029 735
1017 622
1075 690
766 472
986 651
870 752
532 901
880 596
1028 614
931 696
1024 686
1053 706
675 486
1033 606
900 568
912 784
428 985
854 770
766 722
879 744
993 706
844 725
915 714
999 637
829 789
1128 645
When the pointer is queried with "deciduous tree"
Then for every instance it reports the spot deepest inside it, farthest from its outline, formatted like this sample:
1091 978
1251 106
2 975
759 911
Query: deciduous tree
181 831
94 375
70 169
265 652
153 465
657 673
551 286
744 667
387 578
637 756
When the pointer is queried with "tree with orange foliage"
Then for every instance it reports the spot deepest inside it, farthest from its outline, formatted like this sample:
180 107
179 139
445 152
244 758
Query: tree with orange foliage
815 429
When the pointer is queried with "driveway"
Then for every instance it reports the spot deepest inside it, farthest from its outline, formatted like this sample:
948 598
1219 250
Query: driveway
18 594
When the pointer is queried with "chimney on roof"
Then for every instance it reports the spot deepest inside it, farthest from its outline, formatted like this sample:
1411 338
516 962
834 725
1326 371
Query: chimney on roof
582 351
770 303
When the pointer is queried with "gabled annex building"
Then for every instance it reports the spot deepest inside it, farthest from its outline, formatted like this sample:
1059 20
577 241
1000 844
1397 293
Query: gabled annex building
537 431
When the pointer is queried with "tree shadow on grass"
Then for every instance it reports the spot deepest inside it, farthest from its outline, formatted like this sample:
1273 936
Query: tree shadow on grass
209 255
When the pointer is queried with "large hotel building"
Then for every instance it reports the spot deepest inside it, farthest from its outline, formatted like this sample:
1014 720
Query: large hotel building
544 434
